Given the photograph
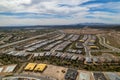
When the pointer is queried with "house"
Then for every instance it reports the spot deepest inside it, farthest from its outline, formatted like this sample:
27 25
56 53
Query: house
71 74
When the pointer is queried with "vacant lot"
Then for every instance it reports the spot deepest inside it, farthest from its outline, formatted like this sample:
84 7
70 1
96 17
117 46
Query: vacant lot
55 72
84 31
113 39
51 71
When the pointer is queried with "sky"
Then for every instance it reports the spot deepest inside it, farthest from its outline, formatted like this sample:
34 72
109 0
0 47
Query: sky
58 12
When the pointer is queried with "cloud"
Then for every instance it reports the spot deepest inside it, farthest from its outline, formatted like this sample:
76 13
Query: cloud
44 7
58 11
43 21
13 5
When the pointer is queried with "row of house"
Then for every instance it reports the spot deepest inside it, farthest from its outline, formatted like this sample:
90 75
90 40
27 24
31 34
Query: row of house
50 46
74 51
30 49
7 68
85 37
60 55
30 45
102 59
73 74
22 47
92 41
45 42
79 45
68 37
63 45
74 38
20 53
106 58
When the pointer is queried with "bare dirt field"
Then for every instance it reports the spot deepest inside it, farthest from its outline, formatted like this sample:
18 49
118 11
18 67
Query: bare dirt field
84 31
113 39
51 71
55 72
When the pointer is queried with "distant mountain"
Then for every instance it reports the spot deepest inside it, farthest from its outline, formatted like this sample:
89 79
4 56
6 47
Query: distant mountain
80 25
93 24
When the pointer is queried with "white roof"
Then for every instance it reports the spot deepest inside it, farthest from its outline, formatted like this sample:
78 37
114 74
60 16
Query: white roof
84 76
1 69
113 76
10 68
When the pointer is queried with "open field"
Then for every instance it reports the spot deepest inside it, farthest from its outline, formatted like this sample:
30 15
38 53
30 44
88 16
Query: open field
84 31
113 39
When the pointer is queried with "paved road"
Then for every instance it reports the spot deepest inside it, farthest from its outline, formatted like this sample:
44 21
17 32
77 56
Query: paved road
28 77
105 50
14 43
87 49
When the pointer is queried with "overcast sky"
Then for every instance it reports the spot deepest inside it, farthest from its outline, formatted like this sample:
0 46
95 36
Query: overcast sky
57 12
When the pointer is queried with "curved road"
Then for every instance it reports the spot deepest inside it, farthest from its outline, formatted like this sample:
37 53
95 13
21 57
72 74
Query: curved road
87 49
29 77
102 42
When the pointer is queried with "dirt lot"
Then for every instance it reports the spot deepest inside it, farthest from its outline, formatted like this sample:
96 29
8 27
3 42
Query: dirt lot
113 39
51 71
84 31
55 71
